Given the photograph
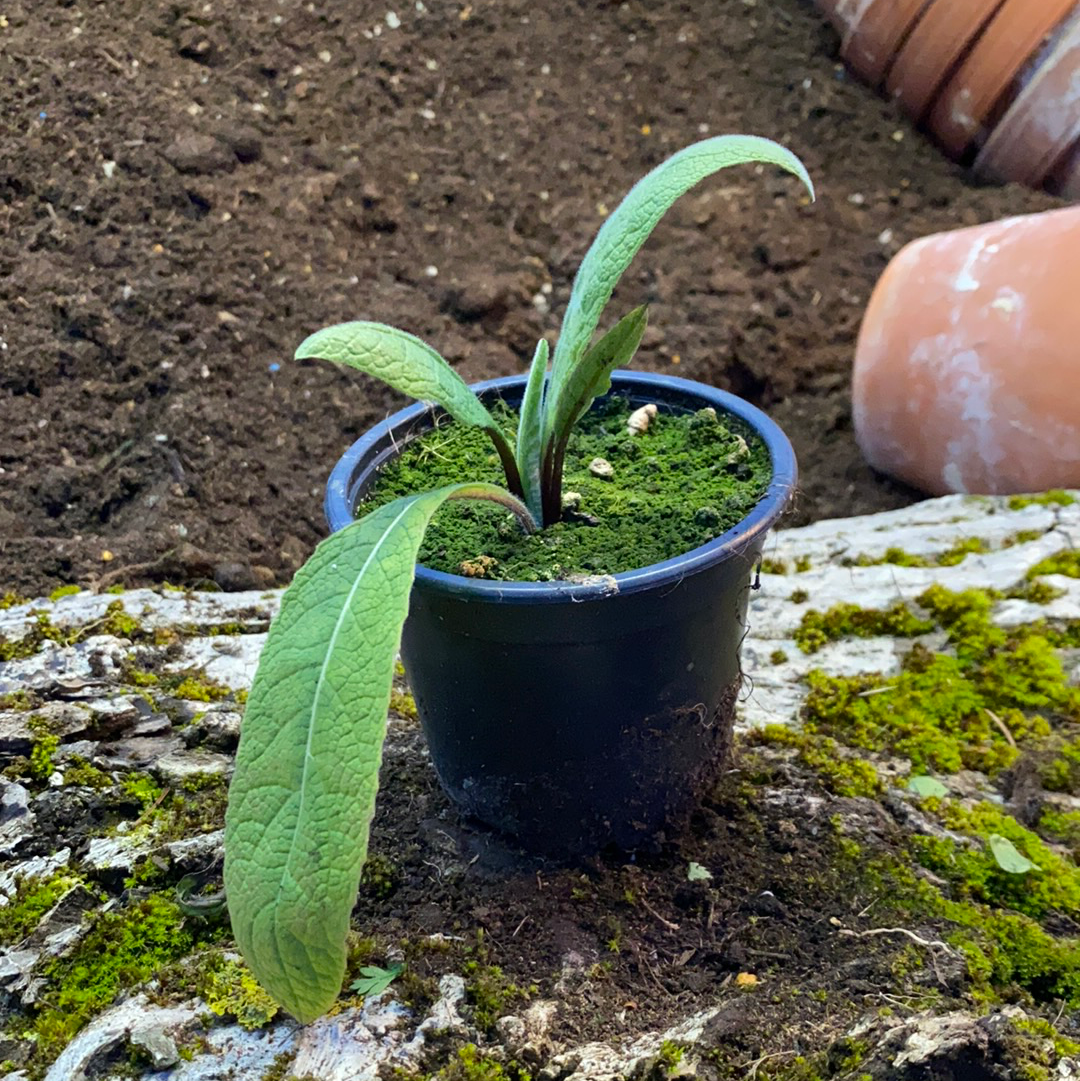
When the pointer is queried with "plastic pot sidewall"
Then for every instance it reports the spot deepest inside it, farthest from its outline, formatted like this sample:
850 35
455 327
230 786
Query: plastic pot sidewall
577 715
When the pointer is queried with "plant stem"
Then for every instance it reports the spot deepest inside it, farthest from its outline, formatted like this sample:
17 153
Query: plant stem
551 482
509 464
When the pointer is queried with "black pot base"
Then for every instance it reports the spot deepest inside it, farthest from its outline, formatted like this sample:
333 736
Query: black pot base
634 799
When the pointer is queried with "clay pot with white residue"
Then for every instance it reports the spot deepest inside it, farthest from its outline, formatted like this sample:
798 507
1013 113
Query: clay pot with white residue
991 81
966 373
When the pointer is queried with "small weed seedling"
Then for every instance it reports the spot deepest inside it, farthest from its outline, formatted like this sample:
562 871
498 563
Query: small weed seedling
303 793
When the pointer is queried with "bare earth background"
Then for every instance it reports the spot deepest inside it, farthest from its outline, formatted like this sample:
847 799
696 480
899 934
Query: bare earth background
188 189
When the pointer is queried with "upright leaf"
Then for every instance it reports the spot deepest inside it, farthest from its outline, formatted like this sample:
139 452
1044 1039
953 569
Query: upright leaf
400 360
307 768
529 447
590 378
629 226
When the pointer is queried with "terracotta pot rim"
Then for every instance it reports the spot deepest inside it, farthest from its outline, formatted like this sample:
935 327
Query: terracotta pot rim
871 42
1012 36
933 49
1020 147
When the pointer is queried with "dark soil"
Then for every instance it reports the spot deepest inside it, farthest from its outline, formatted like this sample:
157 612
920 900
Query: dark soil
188 190
628 943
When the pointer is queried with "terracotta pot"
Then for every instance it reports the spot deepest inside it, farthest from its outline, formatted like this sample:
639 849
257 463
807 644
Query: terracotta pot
1012 37
870 31
929 55
1044 120
1065 178
965 371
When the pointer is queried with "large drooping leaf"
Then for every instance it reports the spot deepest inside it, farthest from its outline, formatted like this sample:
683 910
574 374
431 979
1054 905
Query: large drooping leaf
627 229
400 360
302 796
529 448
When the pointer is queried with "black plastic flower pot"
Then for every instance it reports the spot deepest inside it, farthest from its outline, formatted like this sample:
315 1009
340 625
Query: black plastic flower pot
576 716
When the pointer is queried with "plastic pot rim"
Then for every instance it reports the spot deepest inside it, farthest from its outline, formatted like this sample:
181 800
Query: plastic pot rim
669 572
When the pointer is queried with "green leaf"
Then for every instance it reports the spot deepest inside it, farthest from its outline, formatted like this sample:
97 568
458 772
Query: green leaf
307 768
529 447
197 905
375 980
592 375
400 360
629 226
1007 856
925 787
590 378
696 873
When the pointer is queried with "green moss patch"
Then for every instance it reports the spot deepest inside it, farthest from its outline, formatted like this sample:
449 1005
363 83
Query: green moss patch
116 621
899 558
816 629
122 949
230 990
1054 497
993 696
680 484
1067 563
840 773
33 897
975 707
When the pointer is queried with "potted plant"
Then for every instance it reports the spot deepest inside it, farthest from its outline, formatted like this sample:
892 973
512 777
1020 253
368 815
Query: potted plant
601 704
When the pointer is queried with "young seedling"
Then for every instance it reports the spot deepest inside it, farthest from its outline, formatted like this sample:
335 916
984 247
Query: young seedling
303 793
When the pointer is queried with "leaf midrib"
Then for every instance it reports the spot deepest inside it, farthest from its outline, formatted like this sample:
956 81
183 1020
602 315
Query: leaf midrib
319 686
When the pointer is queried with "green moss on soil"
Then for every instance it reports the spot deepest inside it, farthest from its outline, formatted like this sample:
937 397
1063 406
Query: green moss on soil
403 703
490 994
1008 954
996 694
839 773
469 1064
678 485
1061 827
974 872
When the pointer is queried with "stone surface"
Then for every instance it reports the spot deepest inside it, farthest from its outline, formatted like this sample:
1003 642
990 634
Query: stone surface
926 530
97 717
